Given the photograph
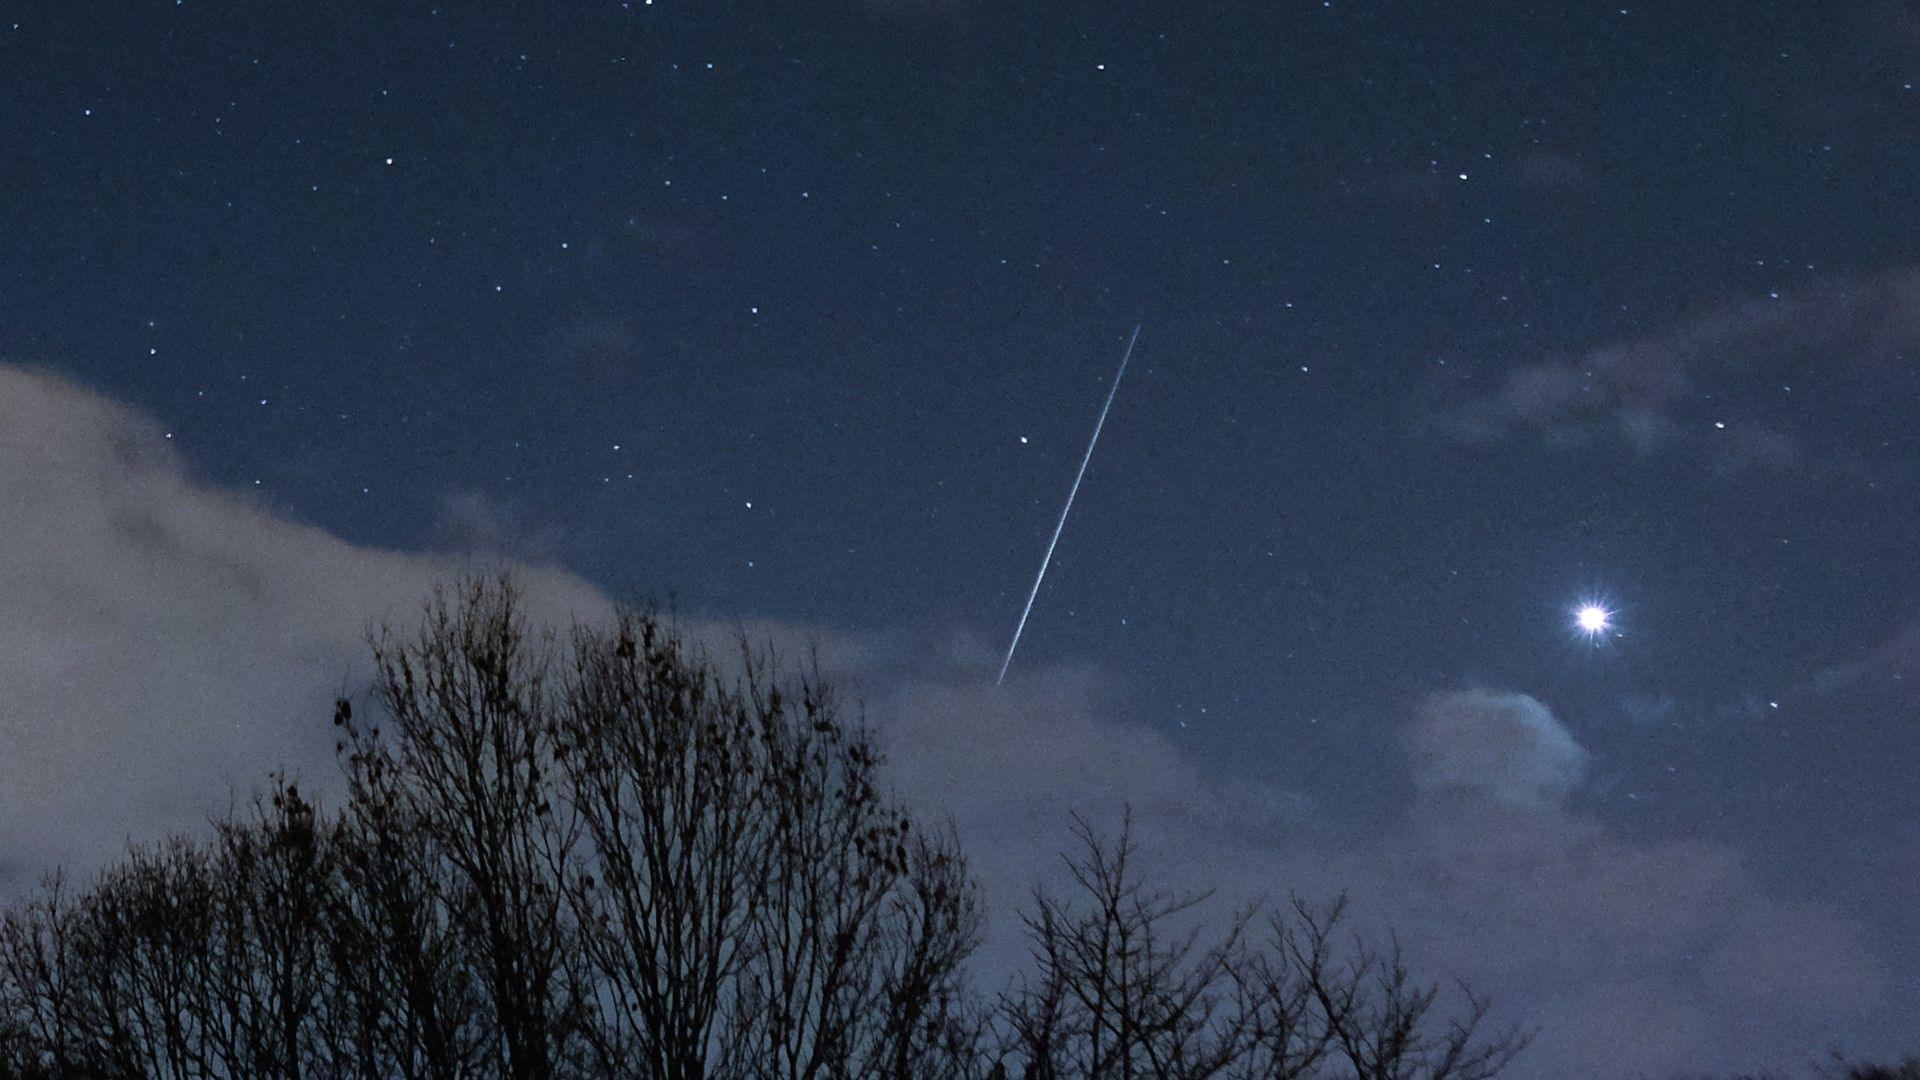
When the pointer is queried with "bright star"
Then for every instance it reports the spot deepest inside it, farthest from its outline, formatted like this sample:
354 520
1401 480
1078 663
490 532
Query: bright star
1593 620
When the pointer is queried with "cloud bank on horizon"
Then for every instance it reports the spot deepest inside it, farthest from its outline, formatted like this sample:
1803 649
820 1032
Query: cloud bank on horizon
163 644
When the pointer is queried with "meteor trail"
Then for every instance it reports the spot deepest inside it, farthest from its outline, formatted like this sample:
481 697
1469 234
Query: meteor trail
1071 492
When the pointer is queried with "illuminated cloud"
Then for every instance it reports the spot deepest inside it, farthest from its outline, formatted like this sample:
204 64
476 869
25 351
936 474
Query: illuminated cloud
163 642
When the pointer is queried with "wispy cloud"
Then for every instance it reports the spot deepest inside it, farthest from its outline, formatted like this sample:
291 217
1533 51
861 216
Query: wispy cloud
1727 384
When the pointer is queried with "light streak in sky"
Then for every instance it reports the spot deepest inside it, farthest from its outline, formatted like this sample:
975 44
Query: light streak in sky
1071 492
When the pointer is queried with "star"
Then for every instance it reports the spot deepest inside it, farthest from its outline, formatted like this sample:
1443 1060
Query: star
1593 620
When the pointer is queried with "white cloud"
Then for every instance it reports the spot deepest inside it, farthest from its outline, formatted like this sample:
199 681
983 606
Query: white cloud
1501 746
162 641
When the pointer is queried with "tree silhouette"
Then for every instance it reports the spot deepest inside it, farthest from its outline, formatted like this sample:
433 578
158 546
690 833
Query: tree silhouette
748 902
468 768
1120 992
610 854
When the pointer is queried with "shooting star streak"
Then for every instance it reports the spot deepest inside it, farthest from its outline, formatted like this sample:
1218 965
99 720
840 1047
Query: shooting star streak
1064 510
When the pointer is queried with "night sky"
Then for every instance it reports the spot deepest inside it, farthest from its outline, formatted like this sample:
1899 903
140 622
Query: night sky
1455 317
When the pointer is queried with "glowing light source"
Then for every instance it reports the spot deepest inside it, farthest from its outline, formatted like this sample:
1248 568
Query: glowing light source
1593 619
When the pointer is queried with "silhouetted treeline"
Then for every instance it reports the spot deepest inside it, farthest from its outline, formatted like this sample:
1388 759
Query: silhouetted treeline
608 856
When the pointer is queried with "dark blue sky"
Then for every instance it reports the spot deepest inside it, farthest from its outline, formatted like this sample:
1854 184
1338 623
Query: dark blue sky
1453 315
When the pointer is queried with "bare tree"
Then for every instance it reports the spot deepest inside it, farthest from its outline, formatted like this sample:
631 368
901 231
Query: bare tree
660 768
1119 993
112 982
1116 992
184 961
749 903
654 868
408 994
617 857
1380 1021
865 921
469 765
262 1003
39 1001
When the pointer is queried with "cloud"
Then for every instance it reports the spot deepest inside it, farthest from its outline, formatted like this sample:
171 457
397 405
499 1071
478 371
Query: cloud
473 522
163 641
1634 956
1891 669
1505 747
1721 384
